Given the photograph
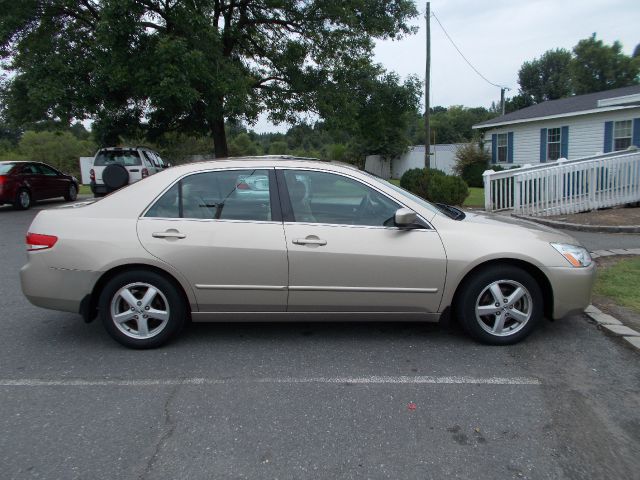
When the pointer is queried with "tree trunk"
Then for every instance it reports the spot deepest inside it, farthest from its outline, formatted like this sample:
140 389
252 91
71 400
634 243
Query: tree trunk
219 138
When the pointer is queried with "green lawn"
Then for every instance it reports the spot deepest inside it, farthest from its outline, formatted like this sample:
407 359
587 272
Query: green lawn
85 190
621 283
475 198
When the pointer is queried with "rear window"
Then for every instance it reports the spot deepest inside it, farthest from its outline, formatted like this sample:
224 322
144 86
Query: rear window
6 167
128 158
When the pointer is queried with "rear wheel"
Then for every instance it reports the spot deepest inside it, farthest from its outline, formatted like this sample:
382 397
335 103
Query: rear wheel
23 199
72 193
499 305
142 309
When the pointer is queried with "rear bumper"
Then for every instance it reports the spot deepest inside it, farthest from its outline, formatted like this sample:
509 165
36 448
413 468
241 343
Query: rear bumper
100 188
54 288
571 289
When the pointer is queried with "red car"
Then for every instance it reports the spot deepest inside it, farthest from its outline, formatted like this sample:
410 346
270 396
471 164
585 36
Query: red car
22 183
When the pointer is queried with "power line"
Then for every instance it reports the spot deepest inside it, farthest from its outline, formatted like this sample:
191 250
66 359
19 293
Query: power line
465 58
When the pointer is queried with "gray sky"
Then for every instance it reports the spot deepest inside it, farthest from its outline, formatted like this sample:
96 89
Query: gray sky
497 36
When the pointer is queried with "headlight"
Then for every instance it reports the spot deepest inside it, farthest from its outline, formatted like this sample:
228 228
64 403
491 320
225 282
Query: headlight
576 256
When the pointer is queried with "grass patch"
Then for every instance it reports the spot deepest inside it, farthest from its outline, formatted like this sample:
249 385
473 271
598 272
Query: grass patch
621 283
475 198
84 190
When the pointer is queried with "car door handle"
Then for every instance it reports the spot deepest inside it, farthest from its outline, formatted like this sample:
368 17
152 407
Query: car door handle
309 241
168 234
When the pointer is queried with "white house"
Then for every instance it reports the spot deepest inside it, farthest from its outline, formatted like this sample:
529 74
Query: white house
572 127
443 157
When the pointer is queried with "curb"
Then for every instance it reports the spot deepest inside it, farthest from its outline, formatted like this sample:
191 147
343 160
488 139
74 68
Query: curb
613 326
579 227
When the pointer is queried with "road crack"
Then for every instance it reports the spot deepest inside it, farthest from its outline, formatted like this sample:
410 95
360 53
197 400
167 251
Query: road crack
168 427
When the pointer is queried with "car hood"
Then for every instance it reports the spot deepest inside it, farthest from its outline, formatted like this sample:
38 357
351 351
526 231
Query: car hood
489 219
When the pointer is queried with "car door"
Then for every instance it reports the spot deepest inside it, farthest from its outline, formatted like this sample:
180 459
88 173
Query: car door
53 182
346 255
32 178
225 237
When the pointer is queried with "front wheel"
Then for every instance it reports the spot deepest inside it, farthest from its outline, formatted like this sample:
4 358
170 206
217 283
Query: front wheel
499 305
142 309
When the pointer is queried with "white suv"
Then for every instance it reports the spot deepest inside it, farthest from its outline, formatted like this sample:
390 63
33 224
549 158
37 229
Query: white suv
115 167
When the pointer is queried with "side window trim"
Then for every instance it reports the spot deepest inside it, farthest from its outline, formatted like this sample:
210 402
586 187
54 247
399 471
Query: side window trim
287 208
274 196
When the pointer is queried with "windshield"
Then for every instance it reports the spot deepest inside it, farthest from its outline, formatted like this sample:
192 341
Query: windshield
128 158
6 167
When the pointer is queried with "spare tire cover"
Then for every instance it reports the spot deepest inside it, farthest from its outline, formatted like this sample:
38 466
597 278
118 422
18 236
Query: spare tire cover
115 176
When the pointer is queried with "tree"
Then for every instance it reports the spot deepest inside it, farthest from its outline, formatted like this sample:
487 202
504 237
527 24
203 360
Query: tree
152 66
546 78
597 67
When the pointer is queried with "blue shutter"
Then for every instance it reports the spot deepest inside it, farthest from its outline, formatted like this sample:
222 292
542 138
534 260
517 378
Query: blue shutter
494 148
608 137
543 145
564 142
635 139
510 147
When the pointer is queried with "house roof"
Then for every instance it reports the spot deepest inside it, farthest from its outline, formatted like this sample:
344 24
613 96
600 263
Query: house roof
578 104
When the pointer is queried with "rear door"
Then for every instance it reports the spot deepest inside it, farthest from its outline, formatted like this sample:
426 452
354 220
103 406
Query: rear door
33 179
225 237
53 182
346 255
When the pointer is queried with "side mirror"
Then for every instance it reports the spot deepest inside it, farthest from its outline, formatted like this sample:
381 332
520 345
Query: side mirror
405 217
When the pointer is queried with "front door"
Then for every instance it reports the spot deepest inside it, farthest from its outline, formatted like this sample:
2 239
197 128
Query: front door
346 255
219 229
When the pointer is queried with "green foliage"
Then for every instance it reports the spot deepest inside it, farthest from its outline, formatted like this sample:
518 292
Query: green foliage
148 67
471 162
435 186
59 149
450 125
546 78
592 66
598 67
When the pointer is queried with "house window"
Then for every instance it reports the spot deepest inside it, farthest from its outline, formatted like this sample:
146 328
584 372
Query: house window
502 147
622 135
553 143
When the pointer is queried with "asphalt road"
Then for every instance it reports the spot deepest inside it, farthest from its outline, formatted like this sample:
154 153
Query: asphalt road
308 400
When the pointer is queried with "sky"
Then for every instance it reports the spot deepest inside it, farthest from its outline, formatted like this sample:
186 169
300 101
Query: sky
497 36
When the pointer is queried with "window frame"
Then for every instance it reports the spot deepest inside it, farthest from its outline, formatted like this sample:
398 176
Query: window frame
505 147
614 136
287 208
557 143
276 212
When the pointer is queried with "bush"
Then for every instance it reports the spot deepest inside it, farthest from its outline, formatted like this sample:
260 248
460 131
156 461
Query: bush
435 186
471 162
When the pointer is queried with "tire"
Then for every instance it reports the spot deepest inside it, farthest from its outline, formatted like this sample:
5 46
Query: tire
23 200
166 310
72 193
115 176
519 307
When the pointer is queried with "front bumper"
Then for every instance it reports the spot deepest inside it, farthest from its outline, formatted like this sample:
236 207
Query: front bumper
55 288
571 288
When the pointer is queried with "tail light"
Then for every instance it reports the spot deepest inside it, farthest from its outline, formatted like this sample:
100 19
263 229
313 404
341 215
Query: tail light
243 186
92 175
145 173
37 241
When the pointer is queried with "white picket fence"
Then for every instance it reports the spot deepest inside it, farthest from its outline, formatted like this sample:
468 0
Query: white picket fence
565 186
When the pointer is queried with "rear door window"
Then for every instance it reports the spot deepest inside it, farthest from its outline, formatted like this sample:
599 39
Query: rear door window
221 195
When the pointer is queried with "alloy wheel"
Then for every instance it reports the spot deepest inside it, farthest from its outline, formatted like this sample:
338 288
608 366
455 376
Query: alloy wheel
503 307
140 310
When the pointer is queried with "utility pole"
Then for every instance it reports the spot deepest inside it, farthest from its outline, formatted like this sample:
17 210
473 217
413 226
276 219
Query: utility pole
502 99
427 81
